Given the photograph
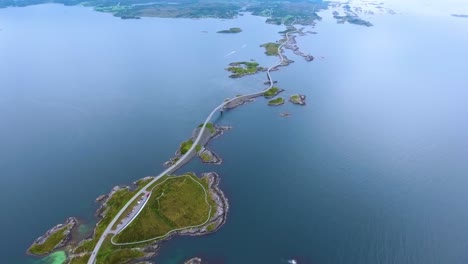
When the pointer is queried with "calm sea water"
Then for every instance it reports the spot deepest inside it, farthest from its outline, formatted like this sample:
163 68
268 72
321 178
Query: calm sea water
372 170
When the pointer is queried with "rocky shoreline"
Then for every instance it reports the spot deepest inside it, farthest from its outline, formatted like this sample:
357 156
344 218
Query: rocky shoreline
219 130
276 102
66 227
209 157
298 99
292 45
193 261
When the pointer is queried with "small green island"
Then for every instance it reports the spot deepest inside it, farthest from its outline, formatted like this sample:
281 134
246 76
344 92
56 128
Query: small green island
242 68
276 101
271 49
298 99
233 30
272 92
54 238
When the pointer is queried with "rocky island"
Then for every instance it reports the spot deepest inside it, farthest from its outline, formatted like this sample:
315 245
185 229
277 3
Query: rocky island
297 99
55 238
233 30
242 68
271 49
193 261
272 92
276 102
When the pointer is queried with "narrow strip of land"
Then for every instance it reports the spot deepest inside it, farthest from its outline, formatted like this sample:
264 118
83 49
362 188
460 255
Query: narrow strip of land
185 158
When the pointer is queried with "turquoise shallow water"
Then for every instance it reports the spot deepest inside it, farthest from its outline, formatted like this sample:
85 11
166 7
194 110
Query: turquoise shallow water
58 257
372 170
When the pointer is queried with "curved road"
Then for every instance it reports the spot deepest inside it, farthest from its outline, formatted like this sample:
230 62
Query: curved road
184 158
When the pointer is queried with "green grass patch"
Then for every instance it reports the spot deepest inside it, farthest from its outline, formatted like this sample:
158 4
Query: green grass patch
210 126
205 157
271 49
242 68
271 92
128 210
295 97
177 202
231 30
185 146
110 254
50 243
277 101
198 147
79 260
211 227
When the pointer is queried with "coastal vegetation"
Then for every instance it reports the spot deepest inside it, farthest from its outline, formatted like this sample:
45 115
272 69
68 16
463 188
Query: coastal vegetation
110 254
297 99
239 69
272 92
231 30
211 227
79 260
175 203
112 206
271 49
277 101
210 127
208 156
50 243
185 146
205 157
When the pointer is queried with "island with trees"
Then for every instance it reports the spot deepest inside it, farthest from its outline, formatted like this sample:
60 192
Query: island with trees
272 92
271 49
242 68
231 30
276 101
298 99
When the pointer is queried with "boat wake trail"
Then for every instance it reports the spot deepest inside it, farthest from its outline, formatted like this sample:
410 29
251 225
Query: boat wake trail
230 53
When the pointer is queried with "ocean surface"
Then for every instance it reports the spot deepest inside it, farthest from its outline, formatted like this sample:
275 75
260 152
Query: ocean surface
372 170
